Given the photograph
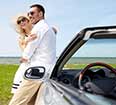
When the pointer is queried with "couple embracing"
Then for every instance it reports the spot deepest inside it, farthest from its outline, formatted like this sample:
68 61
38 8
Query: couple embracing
38 42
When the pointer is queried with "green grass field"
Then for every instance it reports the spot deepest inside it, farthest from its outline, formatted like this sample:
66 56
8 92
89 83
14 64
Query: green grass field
6 77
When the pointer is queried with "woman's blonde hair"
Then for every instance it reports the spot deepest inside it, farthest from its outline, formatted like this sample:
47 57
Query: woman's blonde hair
17 26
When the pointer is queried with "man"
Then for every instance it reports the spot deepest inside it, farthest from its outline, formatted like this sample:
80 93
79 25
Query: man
39 52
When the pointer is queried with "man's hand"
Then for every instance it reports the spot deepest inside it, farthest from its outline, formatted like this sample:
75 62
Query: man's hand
23 60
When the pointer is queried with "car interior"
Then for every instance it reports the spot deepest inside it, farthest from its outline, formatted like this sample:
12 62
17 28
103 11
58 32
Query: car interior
99 80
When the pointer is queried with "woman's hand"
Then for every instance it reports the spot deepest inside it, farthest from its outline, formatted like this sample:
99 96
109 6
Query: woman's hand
23 60
31 37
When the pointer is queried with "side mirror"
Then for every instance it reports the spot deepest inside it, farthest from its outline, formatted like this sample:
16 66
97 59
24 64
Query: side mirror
35 72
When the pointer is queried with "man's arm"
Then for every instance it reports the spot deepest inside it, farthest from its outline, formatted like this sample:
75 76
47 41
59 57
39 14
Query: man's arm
30 48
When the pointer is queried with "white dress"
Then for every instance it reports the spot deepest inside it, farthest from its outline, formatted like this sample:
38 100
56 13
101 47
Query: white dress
18 77
19 73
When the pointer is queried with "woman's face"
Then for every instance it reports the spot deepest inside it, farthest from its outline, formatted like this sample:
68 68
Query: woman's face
23 22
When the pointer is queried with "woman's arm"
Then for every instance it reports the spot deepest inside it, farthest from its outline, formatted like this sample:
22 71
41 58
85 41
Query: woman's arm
23 42
31 37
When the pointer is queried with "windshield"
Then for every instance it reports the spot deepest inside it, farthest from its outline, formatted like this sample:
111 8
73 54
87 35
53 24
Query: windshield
94 50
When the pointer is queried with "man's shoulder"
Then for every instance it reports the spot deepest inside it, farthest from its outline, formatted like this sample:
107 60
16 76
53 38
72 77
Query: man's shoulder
41 28
41 25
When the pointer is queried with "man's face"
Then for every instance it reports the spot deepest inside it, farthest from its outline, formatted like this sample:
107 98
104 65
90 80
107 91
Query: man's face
34 15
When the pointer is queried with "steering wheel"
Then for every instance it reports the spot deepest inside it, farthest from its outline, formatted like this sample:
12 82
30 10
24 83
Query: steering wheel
82 73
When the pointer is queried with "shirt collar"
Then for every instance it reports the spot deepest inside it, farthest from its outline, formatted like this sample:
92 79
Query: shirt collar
40 22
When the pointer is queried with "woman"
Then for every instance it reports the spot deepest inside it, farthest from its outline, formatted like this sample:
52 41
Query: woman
23 27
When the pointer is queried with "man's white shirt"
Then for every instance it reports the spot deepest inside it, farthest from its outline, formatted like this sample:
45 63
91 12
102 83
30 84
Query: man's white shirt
42 50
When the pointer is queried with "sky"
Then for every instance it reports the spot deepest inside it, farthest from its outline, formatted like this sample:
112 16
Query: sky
69 16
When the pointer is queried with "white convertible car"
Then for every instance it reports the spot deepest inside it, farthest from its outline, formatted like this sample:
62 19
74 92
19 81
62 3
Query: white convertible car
85 72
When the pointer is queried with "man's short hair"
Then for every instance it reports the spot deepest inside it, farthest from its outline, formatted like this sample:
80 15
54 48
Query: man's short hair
40 7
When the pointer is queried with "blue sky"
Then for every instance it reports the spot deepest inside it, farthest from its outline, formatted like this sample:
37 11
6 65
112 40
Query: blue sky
70 16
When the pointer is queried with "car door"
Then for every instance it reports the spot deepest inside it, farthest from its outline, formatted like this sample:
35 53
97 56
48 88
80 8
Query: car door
48 95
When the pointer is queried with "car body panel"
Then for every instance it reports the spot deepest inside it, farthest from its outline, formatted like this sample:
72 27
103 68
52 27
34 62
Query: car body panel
48 95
